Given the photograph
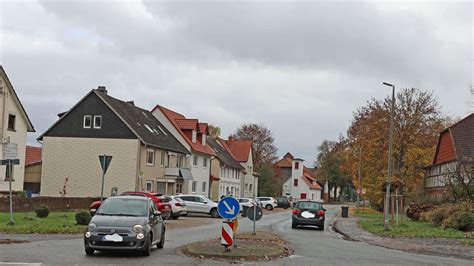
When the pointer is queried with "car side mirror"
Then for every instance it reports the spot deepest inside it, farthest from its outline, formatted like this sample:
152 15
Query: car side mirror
92 211
156 213
324 209
205 202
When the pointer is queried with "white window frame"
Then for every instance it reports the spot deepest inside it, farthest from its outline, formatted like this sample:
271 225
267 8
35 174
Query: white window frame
162 159
84 121
204 185
193 186
93 121
147 182
204 162
147 162
195 160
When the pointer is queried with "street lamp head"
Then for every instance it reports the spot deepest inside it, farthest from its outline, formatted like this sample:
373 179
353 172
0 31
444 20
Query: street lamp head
388 84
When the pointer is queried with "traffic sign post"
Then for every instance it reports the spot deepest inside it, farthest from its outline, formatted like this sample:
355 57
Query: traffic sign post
10 158
254 213
104 164
228 208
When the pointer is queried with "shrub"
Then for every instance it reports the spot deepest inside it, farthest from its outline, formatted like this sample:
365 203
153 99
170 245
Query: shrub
415 210
83 217
42 211
460 220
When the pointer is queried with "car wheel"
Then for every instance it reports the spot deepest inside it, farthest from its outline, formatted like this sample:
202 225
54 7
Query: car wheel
89 251
269 207
174 216
183 214
293 225
147 247
214 213
161 244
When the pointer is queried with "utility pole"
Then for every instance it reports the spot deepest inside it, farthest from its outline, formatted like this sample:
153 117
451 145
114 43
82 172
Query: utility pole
390 147
254 232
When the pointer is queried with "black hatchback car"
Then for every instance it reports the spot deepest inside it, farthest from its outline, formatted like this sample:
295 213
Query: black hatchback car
283 202
125 223
308 213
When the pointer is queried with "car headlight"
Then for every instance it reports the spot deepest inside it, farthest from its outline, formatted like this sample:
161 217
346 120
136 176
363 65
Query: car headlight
140 236
92 226
137 229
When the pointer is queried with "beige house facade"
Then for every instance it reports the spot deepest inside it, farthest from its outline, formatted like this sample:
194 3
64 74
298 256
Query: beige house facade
142 150
14 126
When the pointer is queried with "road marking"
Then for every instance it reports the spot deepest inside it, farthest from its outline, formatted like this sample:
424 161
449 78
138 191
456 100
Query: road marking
20 263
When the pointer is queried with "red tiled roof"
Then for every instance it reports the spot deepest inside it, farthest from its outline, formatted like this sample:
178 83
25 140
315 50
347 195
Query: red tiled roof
173 117
33 155
240 149
203 128
187 123
311 182
284 162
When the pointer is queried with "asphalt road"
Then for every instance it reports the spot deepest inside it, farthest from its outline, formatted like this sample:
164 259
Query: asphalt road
311 247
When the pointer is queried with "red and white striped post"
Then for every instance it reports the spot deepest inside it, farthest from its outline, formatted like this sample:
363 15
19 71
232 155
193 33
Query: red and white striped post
227 234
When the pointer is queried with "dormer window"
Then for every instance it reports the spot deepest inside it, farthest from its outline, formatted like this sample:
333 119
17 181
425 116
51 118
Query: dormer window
204 139
194 136
87 122
97 121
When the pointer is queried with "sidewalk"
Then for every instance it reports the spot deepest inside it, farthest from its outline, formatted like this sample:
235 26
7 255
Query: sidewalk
349 228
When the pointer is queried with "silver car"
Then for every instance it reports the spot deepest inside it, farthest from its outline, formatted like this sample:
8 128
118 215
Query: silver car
200 204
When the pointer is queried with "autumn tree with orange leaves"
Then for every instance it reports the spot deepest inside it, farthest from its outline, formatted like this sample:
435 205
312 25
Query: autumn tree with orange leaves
418 121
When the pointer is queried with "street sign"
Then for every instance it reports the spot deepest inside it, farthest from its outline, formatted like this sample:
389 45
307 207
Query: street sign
9 161
105 162
227 234
228 208
258 213
9 151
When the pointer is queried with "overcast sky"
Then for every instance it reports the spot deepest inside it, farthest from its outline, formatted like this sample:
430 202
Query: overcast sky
299 68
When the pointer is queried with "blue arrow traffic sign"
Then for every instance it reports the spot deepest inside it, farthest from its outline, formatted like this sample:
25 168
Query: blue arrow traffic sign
228 208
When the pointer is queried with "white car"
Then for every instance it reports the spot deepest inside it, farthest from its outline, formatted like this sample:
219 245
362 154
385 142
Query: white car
245 204
178 207
268 202
200 204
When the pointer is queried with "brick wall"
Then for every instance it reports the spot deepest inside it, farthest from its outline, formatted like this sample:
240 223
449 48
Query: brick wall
54 203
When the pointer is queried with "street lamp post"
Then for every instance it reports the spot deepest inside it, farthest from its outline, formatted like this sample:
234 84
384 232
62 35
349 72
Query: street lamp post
389 167
358 178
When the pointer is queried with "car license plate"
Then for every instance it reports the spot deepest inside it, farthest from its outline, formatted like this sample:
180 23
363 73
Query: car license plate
307 215
114 238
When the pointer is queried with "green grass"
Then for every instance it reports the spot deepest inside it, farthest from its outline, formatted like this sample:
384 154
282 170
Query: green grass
27 222
408 228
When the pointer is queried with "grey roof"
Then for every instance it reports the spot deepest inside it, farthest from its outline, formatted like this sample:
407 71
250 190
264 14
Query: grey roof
222 154
142 122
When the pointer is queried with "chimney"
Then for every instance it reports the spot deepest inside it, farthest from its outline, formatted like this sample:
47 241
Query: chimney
131 102
102 89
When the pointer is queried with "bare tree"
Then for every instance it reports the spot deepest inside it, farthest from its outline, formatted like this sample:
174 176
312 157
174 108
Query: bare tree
460 181
264 151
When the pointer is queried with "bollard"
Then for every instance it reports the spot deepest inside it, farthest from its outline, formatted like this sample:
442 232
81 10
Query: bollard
227 234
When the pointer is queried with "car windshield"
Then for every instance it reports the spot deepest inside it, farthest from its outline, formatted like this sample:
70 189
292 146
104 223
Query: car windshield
123 207
309 205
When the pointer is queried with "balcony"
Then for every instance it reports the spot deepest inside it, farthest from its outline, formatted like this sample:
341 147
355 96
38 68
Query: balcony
171 171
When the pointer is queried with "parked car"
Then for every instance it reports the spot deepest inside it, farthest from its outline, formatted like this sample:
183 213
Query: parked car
163 207
283 202
178 206
125 223
245 204
268 202
308 213
200 204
